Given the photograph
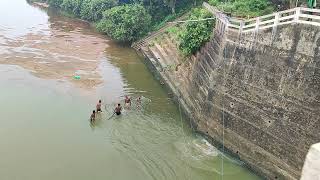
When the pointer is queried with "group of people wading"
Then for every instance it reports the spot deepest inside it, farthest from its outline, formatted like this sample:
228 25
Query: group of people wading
118 108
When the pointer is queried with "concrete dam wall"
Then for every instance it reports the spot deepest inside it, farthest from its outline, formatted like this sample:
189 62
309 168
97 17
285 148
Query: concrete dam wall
268 87
258 93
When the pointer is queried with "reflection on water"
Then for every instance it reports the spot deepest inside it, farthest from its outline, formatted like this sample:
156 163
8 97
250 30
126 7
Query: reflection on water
45 132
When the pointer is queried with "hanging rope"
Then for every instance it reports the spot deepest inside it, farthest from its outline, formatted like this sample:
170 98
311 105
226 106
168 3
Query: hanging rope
222 157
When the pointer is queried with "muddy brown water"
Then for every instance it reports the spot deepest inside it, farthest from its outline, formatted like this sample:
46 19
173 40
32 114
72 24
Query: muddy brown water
44 111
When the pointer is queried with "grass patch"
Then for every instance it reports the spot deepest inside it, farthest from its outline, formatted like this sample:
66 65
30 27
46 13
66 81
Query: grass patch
244 8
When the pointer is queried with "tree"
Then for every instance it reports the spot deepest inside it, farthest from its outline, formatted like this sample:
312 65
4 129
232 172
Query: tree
171 4
55 3
312 3
156 8
73 6
92 9
125 23
86 10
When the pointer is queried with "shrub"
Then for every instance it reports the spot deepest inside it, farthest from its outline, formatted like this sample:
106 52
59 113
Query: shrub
195 34
92 9
244 8
125 23
55 3
86 12
213 2
72 6
250 7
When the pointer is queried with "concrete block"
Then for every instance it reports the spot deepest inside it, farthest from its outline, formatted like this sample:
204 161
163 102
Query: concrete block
311 167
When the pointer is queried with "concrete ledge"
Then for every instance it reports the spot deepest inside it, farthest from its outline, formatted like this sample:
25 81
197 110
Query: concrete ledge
311 167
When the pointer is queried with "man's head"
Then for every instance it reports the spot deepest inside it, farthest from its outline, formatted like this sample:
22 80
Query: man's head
93 111
118 104
99 101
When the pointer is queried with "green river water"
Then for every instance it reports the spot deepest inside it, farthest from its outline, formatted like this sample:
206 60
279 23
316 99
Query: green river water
44 129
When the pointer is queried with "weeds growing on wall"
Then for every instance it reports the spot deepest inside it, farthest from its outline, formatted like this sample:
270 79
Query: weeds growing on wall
194 34
243 8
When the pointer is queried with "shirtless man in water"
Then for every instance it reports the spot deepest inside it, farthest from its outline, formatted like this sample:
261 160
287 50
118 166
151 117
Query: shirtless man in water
127 102
118 109
93 116
98 107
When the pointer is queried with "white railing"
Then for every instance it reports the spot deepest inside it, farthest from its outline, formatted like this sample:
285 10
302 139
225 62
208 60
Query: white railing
295 15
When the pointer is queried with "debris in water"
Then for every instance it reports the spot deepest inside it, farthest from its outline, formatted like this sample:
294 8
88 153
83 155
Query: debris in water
77 77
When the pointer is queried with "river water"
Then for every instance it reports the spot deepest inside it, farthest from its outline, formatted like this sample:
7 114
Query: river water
44 129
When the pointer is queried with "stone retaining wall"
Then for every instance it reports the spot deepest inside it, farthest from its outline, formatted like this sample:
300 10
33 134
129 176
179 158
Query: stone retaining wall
257 93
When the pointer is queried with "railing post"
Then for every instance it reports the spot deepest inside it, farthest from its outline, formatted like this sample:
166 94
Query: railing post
276 19
275 24
297 14
257 24
241 26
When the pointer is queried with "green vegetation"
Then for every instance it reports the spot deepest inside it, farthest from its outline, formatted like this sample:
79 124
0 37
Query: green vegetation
125 20
129 20
174 31
55 3
92 10
125 23
72 6
244 8
195 34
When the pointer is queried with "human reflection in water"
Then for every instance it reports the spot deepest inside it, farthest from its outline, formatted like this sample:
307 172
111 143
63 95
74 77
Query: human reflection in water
93 116
96 121
138 103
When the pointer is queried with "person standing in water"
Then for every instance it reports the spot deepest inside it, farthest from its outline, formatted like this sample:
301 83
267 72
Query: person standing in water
118 109
127 102
93 116
98 107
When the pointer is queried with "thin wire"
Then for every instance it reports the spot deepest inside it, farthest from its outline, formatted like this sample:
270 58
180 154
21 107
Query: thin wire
192 20
224 80
184 135
224 84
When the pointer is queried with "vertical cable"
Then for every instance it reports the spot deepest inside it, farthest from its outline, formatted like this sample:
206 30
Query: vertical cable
183 133
223 99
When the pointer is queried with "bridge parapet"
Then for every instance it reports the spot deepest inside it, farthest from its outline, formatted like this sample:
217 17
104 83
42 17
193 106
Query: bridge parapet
291 16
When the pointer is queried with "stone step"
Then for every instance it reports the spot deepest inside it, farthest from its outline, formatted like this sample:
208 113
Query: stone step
164 46
164 59
152 58
170 41
173 57
162 52
168 49
172 50
157 57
